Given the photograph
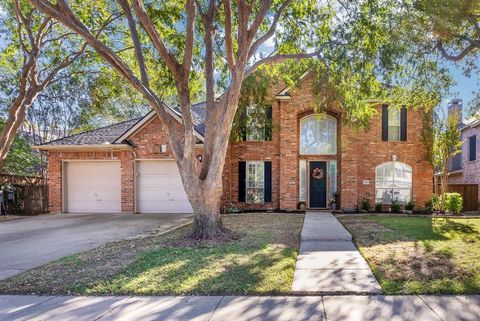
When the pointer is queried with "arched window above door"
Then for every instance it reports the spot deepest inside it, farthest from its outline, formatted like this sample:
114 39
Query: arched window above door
318 135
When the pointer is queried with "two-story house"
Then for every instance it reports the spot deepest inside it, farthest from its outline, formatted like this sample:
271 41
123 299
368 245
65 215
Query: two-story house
303 159
464 168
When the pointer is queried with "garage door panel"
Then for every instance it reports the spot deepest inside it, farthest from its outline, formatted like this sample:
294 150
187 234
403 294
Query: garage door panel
160 188
93 187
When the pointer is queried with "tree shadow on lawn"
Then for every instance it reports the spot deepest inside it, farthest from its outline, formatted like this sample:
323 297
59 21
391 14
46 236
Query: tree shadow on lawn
228 269
419 255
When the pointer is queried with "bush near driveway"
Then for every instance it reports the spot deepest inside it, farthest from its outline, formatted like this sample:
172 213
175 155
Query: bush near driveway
261 261
415 255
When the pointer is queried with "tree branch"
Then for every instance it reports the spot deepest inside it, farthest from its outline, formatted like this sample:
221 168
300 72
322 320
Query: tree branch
271 30
281 57
190 30
458 56
156 39
228 34
136 41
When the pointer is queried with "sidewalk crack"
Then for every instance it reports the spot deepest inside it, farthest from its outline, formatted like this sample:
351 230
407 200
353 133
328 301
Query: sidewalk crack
216 307
435 312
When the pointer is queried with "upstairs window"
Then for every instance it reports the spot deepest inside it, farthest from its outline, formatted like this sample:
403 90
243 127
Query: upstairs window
318 135
472 148
394 124
256 123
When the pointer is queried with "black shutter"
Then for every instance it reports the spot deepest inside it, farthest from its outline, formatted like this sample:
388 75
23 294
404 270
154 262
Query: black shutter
268 123
403 124
243 124
242 178
385 123
267 180
472 148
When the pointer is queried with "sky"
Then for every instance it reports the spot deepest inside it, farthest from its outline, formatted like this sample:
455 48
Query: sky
464 87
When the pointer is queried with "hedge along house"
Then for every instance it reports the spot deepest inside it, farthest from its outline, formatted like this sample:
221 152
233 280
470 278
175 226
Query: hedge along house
303 160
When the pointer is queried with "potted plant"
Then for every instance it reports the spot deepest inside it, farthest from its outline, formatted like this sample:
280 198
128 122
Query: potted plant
301 206
333 200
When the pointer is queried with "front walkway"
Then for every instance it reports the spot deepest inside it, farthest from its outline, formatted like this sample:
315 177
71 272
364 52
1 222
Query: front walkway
218 308
328 262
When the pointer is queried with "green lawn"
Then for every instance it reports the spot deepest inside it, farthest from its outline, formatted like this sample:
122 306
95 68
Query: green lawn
261 261
413 255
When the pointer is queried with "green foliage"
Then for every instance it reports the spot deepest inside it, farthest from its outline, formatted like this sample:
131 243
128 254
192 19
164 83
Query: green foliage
378 207
22 160
410 206
396 206
366 204
435 202
453 203
428 206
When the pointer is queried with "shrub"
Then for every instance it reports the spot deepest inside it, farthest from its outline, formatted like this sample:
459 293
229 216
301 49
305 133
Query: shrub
395 206
428 206
378 207
436 202
410 206
453 202
366 204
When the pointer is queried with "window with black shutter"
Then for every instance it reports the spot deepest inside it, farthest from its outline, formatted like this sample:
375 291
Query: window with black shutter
472 147
242 178
394 124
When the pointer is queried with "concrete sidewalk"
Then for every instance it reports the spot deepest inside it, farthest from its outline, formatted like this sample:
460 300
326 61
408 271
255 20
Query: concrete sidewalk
219 308
328 262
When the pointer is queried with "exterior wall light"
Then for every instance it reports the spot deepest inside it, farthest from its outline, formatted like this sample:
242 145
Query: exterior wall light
163 148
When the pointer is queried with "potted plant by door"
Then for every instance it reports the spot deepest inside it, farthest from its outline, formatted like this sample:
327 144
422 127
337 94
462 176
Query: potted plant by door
333 201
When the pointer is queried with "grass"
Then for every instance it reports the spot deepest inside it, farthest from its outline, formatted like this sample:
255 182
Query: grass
420 255
261 261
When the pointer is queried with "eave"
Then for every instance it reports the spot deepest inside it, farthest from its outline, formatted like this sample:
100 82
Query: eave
84 148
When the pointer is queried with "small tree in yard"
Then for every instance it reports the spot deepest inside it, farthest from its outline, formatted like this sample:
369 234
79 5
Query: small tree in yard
206 48
447 143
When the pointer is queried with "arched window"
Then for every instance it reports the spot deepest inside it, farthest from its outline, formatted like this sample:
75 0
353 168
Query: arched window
393 181
318 135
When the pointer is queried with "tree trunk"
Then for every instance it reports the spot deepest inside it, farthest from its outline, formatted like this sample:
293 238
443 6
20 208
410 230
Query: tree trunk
16 116
206 206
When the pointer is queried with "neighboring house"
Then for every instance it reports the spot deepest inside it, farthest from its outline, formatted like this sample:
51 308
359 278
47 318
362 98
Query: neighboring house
464 168
307 157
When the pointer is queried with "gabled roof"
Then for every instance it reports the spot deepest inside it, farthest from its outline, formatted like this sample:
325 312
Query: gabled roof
117 134
104 135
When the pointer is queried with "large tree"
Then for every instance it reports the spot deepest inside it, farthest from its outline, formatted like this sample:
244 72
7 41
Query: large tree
450 28
37 52
219 44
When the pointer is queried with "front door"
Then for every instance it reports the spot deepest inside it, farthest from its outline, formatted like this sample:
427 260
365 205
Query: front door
318 184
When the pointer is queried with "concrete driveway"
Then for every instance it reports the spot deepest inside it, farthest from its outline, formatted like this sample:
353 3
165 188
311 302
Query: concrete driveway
25 244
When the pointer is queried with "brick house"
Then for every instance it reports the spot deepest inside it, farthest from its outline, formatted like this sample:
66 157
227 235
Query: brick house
464 168
302 159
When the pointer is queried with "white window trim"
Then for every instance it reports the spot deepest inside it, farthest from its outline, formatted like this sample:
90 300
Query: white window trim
335 137
249 123
392 166
394 139
247 187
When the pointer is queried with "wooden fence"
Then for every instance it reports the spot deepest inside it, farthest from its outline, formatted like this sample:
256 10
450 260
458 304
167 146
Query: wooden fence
469 194
27 195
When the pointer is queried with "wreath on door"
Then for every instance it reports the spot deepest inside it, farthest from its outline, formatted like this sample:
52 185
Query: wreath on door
317 173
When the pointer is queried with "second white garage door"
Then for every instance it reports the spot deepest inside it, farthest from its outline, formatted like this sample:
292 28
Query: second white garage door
160 188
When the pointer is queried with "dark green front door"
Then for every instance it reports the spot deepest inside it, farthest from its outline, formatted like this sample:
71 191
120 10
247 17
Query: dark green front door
318 184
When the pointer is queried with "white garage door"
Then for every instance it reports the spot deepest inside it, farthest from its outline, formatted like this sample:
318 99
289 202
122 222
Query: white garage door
93 187
160 188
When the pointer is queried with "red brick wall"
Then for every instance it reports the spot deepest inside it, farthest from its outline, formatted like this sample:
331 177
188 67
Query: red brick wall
358 152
